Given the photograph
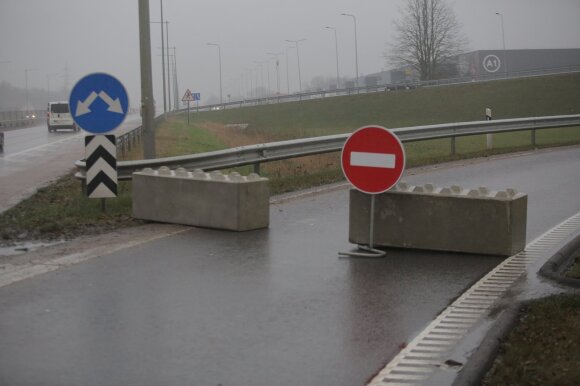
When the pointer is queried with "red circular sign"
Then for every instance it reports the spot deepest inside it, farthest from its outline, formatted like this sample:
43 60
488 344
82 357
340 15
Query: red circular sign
373 159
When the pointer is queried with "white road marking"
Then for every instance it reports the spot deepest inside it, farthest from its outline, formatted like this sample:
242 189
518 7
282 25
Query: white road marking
70 138
12 274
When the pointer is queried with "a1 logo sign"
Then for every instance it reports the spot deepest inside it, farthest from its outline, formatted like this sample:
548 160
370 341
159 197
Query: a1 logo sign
491 63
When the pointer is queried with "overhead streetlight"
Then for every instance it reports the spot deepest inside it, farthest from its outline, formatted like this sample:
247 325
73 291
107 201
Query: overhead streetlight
165 59
267 63
298 57
26 71
287 71
162 58
175 83
503 41
355 45
220 64
168 66
336 45
48 76
275 55
147 107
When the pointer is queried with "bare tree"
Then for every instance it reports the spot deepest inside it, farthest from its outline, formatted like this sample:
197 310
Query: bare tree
427 35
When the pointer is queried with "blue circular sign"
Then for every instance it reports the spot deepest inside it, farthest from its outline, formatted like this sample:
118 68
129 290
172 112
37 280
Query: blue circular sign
98 103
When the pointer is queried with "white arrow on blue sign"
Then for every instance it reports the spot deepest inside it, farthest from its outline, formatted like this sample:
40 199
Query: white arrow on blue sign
98 103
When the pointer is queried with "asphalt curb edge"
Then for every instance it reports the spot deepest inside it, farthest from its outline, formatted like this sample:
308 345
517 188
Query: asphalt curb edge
556 266
483 358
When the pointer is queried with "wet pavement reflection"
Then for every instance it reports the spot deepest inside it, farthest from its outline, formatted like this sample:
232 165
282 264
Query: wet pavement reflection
206 307
268 307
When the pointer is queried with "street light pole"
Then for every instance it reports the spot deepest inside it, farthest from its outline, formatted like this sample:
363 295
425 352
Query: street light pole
168 66
336 45
287 72
355 45
147 107
26 71
48 76
175 82
503 41
163 62
163 48
220 64
275 55
298 57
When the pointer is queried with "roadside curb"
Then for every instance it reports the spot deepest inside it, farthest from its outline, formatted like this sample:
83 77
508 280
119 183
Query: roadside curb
483 358
556 266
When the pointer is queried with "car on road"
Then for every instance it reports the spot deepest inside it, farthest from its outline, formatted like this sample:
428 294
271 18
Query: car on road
58 117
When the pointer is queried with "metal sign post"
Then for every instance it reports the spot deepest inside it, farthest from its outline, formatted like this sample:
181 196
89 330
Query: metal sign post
187 97
373 161
99 104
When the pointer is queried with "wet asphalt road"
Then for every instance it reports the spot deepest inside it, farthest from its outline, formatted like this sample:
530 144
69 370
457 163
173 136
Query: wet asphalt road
269 307
33 157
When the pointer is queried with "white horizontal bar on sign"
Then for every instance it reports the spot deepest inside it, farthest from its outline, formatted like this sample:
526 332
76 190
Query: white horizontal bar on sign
372 160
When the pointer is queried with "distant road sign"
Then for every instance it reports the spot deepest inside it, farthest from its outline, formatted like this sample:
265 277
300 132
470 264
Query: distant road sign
187 97
196 96
373 159
98 103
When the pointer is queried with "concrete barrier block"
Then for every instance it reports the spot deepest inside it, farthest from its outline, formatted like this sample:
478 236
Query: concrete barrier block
448 219
212 200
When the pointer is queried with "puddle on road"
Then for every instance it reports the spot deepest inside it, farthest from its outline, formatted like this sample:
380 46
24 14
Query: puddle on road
21 248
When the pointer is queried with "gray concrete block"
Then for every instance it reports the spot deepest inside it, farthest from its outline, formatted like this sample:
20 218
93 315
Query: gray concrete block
212 200
446 219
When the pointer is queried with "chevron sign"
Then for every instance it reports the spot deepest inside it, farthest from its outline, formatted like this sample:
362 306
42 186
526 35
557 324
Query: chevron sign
101 161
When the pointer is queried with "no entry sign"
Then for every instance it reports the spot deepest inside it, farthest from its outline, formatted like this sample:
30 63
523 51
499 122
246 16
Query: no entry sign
373 159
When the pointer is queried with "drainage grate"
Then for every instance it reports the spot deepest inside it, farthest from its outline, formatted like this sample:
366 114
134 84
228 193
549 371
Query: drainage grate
415 364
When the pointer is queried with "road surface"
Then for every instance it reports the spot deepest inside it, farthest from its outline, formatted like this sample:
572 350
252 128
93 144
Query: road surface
269 307
33 157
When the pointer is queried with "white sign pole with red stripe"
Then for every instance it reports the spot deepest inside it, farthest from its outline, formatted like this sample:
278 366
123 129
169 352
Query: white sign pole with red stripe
373 161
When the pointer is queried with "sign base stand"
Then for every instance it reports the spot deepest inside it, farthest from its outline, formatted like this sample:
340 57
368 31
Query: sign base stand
370 251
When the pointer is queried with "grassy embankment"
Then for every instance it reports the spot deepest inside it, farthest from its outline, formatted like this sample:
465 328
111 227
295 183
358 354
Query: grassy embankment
60 210
543 348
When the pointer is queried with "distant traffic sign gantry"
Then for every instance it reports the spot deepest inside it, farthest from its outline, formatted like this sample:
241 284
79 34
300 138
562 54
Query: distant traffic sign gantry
98 103
373 159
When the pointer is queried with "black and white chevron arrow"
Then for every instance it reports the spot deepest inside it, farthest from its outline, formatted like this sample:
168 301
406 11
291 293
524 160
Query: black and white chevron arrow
101 161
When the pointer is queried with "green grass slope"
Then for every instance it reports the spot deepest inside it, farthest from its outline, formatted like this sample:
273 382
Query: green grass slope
548 95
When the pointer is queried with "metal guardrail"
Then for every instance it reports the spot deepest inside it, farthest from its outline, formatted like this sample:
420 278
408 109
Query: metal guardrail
275 151
126 141
10 119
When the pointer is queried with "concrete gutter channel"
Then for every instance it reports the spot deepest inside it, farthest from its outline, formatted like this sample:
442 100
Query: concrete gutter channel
482 359
459 346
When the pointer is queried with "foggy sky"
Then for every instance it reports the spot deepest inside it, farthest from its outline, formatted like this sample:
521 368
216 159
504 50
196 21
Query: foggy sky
45 36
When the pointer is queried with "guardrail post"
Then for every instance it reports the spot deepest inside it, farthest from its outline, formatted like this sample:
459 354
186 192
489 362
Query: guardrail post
533 137
453 145
257 168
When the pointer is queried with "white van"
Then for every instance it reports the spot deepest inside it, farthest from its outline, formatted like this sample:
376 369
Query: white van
58 117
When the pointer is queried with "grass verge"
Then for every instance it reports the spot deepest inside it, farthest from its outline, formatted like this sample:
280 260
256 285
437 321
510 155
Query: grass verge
574 271
543 348
60 211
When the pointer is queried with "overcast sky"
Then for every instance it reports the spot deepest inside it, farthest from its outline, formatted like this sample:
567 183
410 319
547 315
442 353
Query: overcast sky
86 36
